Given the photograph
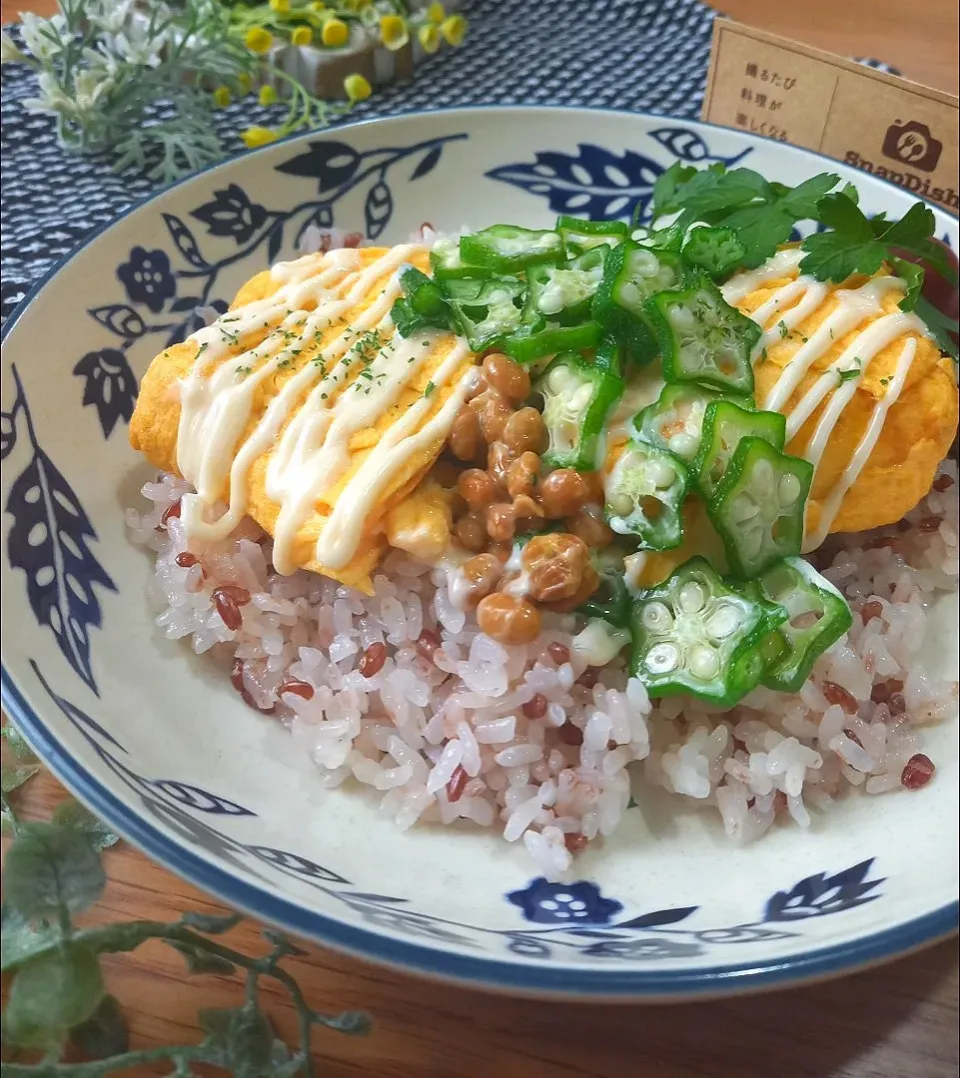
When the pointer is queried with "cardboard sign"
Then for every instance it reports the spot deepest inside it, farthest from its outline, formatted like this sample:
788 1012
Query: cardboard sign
891 127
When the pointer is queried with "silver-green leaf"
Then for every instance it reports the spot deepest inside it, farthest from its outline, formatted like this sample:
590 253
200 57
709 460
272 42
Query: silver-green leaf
16 742
50 871
20 941
13 776
104 1033
51 995
71 814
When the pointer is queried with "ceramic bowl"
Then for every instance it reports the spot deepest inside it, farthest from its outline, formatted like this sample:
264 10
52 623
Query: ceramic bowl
154 740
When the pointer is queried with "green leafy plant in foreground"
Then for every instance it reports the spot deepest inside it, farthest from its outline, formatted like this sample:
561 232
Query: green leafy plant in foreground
57 996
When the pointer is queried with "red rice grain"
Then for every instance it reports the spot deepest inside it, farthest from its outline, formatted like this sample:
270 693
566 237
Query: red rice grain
837 694
455 786
917 771
372 660
535 707
296 687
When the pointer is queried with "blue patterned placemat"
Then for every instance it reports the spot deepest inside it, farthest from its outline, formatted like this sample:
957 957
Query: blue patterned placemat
629 54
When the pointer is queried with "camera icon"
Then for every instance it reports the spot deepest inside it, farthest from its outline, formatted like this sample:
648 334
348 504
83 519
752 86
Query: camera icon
913 144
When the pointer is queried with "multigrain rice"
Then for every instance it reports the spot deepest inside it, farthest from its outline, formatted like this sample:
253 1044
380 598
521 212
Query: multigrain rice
401 693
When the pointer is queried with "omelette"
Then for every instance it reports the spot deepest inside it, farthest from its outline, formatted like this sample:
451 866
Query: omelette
303 409
869 399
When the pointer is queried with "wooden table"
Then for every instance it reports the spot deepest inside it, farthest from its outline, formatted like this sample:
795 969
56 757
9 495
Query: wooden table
900 1019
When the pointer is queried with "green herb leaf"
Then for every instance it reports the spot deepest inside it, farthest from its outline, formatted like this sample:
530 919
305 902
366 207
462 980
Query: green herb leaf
50 871
666 186
848 375
762 213
913 233
13 776
942 328
859 245
912 274
850 248
16 742
104 1033
51 995
76 817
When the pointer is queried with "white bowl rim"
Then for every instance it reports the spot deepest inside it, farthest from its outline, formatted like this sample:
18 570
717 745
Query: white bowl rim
485 973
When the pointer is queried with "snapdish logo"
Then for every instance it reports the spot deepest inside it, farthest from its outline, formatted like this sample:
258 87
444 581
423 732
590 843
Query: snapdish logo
909 143
912 144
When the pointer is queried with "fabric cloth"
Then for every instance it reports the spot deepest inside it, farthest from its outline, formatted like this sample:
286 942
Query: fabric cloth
628 54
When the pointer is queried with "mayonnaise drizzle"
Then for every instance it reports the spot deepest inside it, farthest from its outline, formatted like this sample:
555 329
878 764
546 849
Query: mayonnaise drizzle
797 300
340 537
312 453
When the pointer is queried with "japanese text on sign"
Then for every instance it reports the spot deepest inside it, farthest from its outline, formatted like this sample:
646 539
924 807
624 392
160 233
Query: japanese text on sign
779 89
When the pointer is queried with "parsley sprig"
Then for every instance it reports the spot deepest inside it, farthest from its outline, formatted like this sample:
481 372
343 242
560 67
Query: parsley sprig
763 214
858 244
760 211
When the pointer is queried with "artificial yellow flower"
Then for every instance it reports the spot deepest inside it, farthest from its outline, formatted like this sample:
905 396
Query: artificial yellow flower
393 32
355 6
258 136
221 96
436 13
316 5
357 87
244 81
301 36
268 95
335 32
429 38
280 6
454 29
258 39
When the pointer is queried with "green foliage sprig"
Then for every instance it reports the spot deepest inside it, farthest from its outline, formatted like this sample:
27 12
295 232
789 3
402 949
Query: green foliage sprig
57 994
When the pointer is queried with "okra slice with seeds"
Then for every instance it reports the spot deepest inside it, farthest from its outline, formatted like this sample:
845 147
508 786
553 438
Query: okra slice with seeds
486 310
507 248
580 235
716 251
759 505
563 293
446 263
702 338
725 423
578 396
631 274
694 634
817 615
644 494
674 421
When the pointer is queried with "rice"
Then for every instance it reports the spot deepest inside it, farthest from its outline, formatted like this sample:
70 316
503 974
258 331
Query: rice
453 726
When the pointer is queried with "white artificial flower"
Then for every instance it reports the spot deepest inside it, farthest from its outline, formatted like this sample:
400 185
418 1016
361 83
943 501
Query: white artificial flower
44 38
88 87
9 53
139 43
111 16
100 60
51 99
